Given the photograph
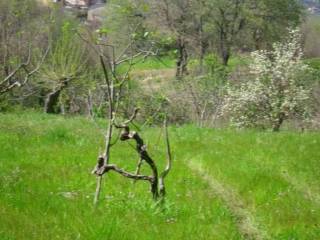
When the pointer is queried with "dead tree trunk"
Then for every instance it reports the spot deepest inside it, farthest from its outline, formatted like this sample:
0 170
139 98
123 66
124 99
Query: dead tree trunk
114 83
141 148
156 180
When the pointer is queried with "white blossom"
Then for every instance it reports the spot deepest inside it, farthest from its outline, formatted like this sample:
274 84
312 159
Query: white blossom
277 89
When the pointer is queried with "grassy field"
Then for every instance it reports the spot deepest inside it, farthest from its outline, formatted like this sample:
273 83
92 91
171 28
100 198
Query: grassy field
224 184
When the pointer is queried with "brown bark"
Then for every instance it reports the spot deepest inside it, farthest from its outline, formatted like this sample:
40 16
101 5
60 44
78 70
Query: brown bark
156 180
141 148
114 84
52 101
278 123
182 60
52 98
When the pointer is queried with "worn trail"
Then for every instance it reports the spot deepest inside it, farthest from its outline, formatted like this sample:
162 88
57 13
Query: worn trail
246 223
302 187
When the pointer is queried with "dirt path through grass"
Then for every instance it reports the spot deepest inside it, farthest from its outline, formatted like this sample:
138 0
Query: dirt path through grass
246 223
302 187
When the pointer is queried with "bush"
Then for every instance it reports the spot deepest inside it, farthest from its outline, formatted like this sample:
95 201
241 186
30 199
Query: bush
277 90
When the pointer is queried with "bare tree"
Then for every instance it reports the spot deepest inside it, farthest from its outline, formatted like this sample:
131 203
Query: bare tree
177 16
156 180
114 84
21 42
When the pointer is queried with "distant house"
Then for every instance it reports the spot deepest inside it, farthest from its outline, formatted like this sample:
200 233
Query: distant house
90 10
82 3
75 3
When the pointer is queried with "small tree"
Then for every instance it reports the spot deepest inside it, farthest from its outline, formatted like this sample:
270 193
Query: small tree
277 90
65 62
115 81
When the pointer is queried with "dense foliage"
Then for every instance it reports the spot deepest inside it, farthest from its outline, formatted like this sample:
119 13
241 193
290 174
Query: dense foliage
183 55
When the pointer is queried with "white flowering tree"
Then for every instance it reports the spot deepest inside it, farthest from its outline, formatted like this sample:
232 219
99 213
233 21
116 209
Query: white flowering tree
277 89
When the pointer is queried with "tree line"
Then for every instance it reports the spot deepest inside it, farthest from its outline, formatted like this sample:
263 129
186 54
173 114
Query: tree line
47 60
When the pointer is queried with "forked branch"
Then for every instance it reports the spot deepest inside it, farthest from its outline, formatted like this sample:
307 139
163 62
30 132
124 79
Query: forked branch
114 85
162 189
156 180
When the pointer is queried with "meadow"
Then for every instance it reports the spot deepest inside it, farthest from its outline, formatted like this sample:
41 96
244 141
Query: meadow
225 184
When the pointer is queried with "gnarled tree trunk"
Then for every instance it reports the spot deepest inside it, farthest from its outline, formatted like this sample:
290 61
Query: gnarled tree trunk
156 180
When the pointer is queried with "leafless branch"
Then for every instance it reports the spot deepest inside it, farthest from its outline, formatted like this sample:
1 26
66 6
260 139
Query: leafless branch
114 84
169 162
125 123
113 167
24 67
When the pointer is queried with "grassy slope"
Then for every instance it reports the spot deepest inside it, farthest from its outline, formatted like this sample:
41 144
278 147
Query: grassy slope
46 190
276 175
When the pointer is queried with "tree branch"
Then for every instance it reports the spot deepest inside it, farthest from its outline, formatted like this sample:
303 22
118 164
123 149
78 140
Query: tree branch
169 162
28 73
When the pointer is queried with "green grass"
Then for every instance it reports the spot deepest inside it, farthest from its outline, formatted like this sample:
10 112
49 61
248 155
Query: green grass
276 175
150 63
313 63
154 63
46 189
168 62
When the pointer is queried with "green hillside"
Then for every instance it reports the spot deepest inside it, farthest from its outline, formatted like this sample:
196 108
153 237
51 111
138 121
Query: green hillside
224 184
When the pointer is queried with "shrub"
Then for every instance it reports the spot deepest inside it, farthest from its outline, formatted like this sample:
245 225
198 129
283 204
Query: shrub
277 89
